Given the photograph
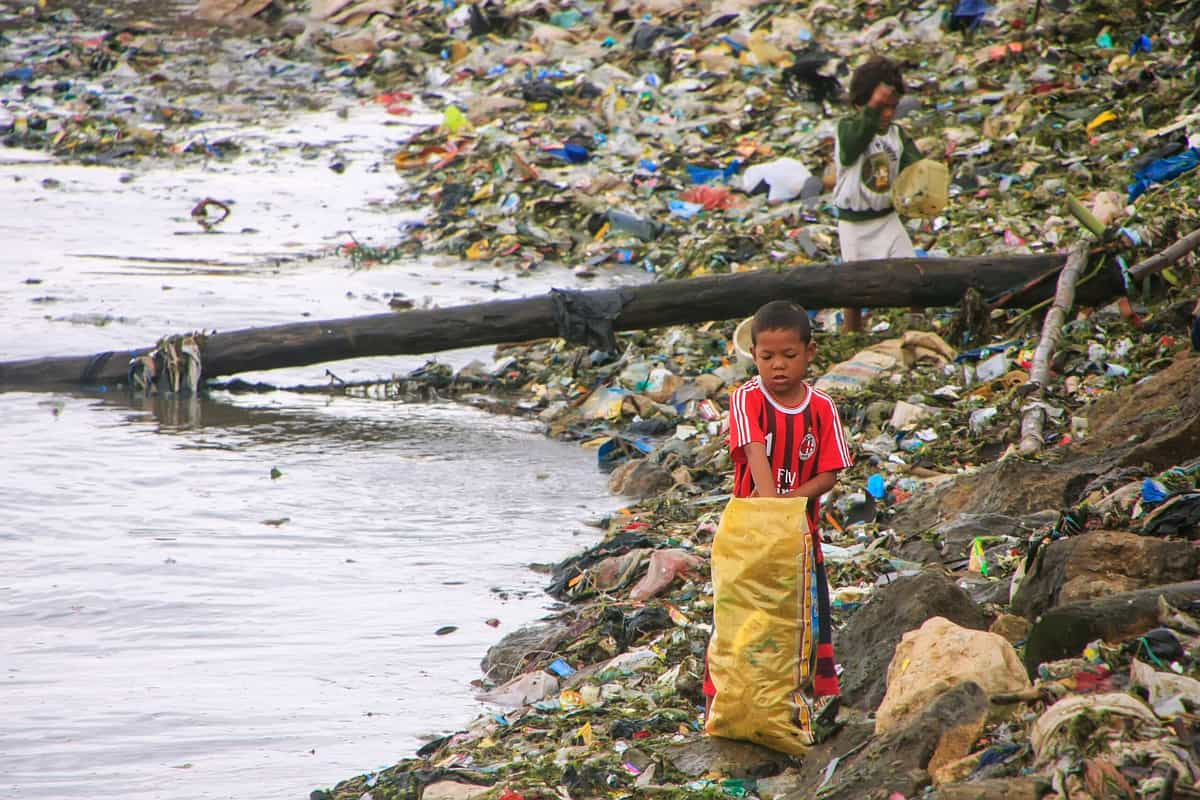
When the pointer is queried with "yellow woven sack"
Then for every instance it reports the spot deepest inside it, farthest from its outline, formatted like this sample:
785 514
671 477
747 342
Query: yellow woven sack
922 189
761 649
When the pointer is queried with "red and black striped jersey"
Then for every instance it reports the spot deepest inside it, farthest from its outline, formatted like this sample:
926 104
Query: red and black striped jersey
802 442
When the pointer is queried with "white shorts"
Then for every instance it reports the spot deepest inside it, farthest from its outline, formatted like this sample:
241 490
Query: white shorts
876 238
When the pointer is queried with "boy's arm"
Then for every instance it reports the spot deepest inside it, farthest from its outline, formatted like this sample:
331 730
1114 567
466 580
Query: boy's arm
911 154
760 469
855 132
816 486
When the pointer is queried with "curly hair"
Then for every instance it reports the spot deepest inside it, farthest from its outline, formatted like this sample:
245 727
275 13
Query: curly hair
871 73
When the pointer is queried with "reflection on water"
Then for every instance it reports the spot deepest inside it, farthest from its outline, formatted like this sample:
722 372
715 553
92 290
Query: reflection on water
177 622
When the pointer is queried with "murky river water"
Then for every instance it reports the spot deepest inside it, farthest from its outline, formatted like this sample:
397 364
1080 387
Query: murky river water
174 621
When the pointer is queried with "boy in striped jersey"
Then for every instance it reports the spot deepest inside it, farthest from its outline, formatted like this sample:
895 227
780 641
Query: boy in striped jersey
786 440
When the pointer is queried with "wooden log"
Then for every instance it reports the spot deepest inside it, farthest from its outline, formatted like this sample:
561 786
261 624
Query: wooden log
1064 631
894 283
1160 261
1034 417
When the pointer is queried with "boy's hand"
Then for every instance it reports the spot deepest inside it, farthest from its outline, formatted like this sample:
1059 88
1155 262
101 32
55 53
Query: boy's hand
882 97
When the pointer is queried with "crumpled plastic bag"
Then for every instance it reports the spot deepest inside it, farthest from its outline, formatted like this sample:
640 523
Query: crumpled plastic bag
759 656
665 567
786 179
522 690
866 366
922 189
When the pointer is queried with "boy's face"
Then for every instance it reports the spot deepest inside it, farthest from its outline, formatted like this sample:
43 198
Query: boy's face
885 99
782 358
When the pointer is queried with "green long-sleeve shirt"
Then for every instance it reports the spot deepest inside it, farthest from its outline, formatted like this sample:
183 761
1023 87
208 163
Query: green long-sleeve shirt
855 133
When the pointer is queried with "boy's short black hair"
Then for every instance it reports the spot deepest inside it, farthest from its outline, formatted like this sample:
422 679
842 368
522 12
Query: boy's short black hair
871 73
781 315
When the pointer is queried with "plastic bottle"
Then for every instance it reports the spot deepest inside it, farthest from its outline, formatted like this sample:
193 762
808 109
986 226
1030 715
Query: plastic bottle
643 229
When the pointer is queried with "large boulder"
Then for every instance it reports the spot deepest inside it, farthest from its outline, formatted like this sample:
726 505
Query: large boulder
938 656
900 761
1154 424
1063 631
1099 564
865 646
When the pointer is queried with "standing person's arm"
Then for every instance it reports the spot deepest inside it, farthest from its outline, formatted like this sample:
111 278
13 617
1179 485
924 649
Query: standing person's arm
760 470
855 132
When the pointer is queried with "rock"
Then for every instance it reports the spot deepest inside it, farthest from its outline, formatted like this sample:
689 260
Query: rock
353 44
983 590
957 535
227 10
866 645
899 761
920 551
1102 563
1158 419
1153 424
805 779
639 478
453 790
992 497
512 655
938 656
1063 631
995 789
725 756
1013 628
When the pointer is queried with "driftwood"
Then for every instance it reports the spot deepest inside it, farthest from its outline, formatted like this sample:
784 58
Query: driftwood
1160 261
894 283
1064 631
886 283
1034 417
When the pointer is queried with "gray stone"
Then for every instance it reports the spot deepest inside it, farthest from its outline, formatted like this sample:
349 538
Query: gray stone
1101 563
957 535
805 779
517 652
994 789
726 756
640 478
866 645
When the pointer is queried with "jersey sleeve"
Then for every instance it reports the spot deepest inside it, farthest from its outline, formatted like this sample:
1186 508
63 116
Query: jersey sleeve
744 412
833 453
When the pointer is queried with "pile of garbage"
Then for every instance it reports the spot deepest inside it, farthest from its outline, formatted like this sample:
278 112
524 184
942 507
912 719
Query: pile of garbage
1004 650
683 137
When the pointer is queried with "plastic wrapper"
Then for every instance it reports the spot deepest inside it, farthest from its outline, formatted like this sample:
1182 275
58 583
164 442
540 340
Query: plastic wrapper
762 646
922 189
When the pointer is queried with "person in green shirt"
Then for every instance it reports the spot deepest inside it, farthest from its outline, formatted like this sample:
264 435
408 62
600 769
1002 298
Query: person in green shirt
870 151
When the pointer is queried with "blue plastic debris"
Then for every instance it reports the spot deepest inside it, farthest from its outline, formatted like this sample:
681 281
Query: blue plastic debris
710 174
969 14
679 208
1142 44
1153 491
877 486
571 153
561 668
1164 169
